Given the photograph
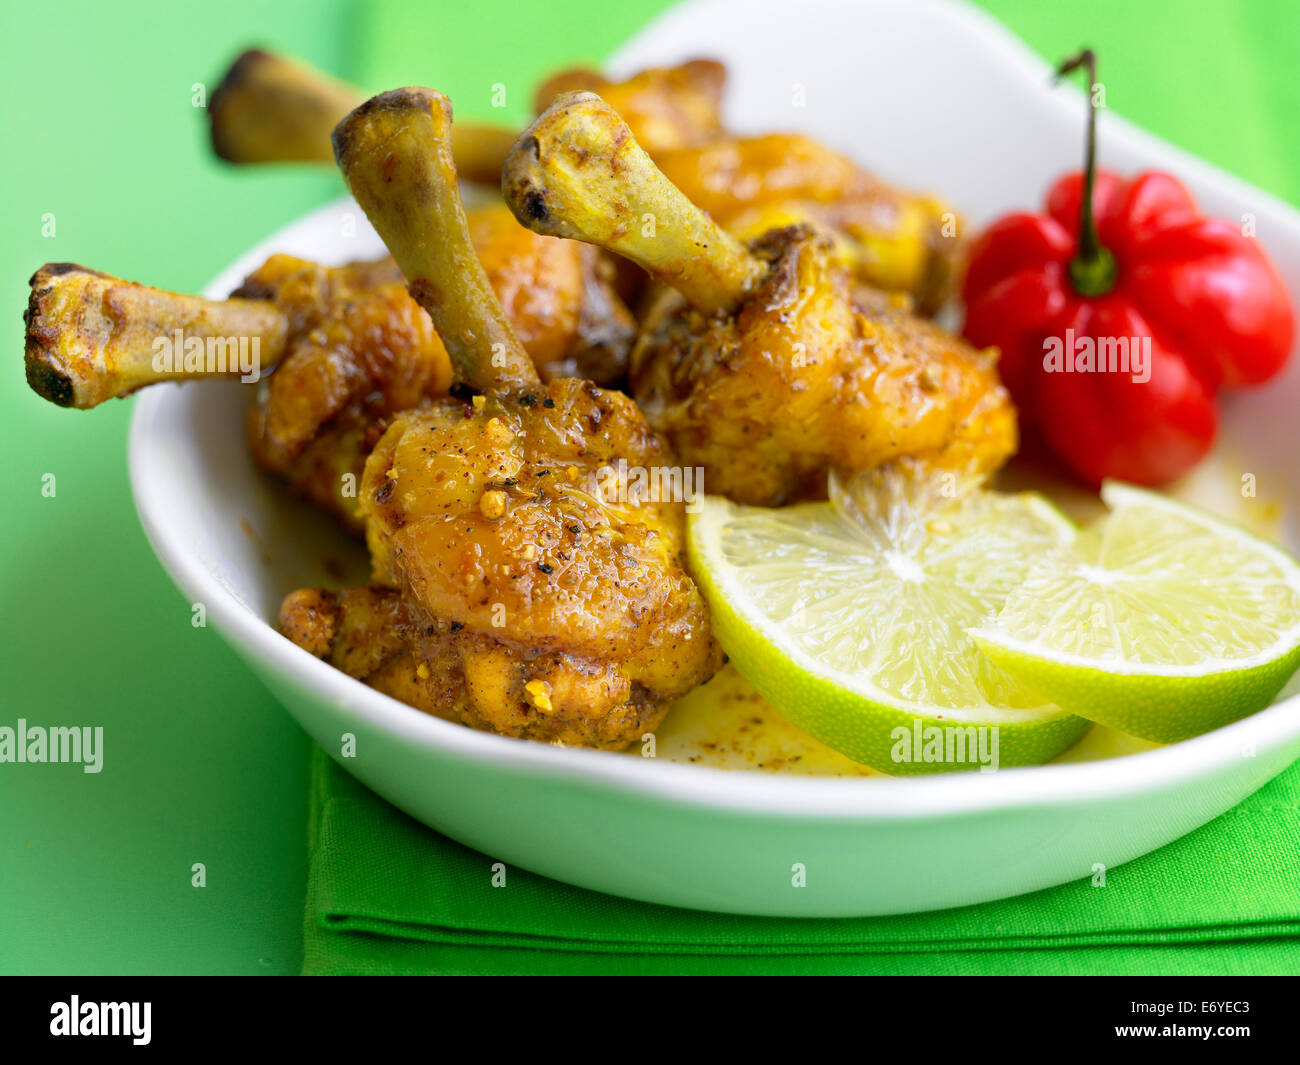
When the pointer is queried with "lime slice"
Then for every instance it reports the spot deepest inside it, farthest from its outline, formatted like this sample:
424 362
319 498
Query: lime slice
851 618
1164 622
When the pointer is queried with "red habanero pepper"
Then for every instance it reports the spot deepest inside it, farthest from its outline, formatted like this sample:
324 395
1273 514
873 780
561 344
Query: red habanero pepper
1120 312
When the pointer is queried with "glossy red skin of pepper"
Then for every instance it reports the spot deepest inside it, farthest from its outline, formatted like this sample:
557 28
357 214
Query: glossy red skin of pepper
1216 311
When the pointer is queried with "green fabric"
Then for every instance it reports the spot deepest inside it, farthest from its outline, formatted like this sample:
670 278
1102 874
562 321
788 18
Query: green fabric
107 163
386 894
95 869
1216 77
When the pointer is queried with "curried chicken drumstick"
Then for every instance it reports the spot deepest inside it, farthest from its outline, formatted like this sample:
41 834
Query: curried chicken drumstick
348 345
529 600
269 109
889 238
92 336
768 365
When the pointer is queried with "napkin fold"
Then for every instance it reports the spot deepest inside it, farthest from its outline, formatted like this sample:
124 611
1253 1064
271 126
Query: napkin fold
387 895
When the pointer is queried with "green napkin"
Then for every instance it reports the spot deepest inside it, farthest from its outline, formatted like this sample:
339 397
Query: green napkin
387 895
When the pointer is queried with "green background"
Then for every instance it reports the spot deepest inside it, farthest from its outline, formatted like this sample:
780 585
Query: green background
200 764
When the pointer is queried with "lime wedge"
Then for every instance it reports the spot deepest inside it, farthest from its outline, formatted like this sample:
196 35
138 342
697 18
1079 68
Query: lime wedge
1163 621
850 617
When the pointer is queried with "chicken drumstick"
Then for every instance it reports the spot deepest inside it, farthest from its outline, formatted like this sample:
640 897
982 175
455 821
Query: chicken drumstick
528 600
271 109
768 365
889 238
348 345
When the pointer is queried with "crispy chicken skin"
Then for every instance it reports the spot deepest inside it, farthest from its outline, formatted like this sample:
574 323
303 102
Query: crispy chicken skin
516 587
814 372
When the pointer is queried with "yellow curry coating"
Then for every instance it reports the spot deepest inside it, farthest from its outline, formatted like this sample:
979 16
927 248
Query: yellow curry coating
360 349
813 371
527 597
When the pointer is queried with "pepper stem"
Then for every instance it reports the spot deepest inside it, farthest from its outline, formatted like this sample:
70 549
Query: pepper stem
1092 270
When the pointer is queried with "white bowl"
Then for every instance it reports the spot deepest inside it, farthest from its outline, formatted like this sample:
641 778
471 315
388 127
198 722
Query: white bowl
931 94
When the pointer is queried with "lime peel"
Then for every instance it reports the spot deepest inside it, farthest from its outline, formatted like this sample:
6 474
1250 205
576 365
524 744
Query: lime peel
766 573
1156 545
